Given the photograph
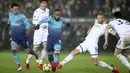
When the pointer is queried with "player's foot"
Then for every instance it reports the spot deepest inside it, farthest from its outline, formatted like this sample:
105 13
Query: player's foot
53 69
19 68
56 64
27 66
115 70
40 66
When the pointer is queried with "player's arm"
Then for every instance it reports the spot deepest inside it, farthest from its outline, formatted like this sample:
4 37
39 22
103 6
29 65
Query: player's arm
111 31
6 28
35 20
27 24
45 20
106 36
66 23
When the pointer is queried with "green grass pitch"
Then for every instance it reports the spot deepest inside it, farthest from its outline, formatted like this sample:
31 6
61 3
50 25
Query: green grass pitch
80 64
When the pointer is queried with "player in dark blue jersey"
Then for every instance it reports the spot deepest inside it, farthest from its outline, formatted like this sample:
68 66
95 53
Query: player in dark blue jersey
55 23
20 26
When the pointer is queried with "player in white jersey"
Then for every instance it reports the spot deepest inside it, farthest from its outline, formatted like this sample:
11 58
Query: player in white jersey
122 27
91 45
40 35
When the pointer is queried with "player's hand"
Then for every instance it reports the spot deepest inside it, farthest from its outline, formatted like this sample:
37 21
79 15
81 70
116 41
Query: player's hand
37 27
105 45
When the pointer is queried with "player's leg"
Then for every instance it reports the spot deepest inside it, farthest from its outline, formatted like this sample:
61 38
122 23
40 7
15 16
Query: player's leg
94 54
122 44
36 44
43 55
25 45
57 48
79 49
44 52
35 48
50 51
14 47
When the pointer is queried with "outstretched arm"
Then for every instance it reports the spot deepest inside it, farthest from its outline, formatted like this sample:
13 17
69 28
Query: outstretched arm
106 36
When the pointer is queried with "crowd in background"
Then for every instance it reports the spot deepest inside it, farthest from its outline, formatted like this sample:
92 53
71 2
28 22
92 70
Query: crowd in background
70 9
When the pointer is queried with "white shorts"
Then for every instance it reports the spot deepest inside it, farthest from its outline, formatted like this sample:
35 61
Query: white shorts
89 46
124 41
40 36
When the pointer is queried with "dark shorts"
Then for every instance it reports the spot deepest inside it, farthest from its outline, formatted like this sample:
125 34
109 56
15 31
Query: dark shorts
23 41
51 44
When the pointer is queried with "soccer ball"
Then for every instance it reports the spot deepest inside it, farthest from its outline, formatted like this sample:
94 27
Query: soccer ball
47 67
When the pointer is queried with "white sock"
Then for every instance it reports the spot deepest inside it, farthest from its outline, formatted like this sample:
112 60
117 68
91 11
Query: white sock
28 59
123 60
104 65
43 55
67 59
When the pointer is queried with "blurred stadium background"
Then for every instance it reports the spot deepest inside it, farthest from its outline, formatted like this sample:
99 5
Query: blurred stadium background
80 13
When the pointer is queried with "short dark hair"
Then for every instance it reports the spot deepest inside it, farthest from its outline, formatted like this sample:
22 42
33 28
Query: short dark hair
56 10
117 14
14 5
101 13
43 0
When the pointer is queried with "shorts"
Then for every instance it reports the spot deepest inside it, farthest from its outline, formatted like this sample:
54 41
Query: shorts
39 37
124 41
51 44
15 41
89 46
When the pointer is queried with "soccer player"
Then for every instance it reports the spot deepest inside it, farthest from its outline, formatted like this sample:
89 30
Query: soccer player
40 35
20 27
122 27
91 45
55 23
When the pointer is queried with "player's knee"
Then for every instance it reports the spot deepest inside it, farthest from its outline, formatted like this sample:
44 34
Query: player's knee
94 56
57 47
75 52
35 49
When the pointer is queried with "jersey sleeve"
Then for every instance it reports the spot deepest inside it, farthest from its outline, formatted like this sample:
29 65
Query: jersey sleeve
26 22
64 21
111 24
35 17
9 22
45 20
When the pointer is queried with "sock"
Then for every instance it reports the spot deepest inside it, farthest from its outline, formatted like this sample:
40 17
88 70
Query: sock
28 59
42 56
67 59
104 65
16 58
50 57
56 57
123 60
